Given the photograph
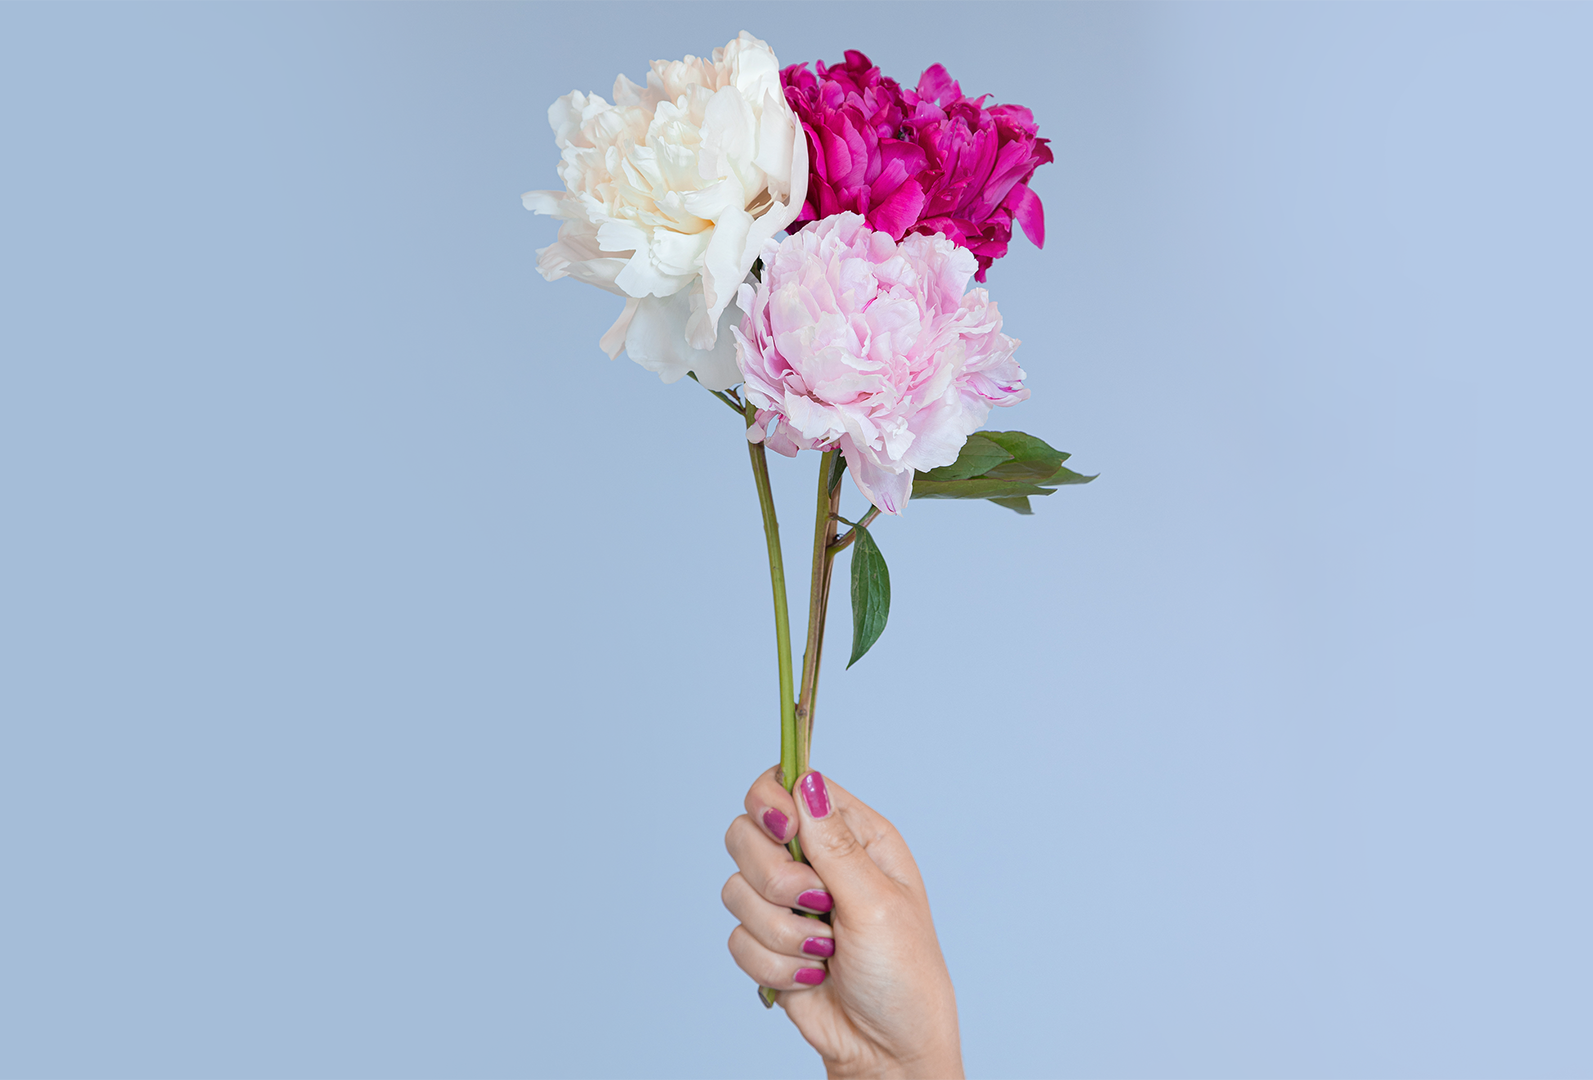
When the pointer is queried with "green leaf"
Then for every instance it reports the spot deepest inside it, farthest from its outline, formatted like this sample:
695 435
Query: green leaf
1004 466
837 470
978 455
1068 476
979 488
1025 447
871 594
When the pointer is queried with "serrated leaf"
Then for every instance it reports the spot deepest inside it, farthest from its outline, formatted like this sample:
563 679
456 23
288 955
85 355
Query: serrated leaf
1020 504
871 594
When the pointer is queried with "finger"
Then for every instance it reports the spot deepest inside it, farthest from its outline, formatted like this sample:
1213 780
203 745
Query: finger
770 870
771 806
775 927
771 969
835 851
884 844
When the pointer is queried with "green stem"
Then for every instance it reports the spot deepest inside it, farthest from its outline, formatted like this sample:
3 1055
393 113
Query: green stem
796 720
818 606
728 398
782 616
846 541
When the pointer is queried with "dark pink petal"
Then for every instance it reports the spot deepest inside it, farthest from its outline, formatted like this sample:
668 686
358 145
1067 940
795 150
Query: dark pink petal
857 154
829 201
897 213
1015 118
817 166
938 86
837 156
910 155
1027 212
975 170
890 177
1011 167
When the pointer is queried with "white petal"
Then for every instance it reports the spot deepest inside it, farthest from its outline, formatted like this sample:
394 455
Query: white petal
657 341
784 213
613 339
775 127
724 267
577 254
729 128
543 202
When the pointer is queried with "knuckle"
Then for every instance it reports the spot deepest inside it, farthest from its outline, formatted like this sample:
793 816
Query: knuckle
730 834
841 844
786 883
792 936
734 884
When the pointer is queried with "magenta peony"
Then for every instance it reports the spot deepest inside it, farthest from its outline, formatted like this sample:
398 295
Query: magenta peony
923 161
858 341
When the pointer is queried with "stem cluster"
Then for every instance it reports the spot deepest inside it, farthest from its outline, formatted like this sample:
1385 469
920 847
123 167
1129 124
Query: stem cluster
796 707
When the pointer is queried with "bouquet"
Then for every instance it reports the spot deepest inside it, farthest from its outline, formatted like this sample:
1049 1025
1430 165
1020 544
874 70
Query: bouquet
801 241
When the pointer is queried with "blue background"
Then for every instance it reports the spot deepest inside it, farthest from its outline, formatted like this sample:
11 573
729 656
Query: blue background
380 664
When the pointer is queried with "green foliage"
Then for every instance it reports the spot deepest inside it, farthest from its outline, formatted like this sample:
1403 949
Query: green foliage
871 594
1005 467
837 470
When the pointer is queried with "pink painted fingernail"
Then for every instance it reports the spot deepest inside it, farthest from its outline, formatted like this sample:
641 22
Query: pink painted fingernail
819 946
776 823
816 900
816 794
809 976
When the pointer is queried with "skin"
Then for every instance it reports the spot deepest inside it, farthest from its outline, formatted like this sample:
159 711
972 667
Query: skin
885 1007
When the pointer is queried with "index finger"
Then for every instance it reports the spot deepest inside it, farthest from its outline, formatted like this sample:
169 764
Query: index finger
770 805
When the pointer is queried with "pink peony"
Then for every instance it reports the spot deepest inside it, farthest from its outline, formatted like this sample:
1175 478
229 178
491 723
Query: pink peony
923 161
853 339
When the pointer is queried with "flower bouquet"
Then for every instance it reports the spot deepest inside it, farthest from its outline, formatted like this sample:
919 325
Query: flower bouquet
856 334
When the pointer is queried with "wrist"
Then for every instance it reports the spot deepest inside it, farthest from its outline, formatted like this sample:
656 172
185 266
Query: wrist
932 1063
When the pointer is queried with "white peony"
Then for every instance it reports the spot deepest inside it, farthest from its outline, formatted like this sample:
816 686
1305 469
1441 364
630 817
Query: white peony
670 193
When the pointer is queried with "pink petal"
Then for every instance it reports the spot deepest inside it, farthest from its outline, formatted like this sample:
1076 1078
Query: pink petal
899 211
837 157
1027 211
938 86
887 490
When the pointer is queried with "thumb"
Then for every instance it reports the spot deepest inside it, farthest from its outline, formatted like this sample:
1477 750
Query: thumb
833 848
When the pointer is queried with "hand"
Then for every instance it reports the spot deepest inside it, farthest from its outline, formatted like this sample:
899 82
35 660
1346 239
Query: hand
869 991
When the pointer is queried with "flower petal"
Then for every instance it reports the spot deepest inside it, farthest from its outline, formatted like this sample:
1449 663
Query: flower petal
1027 212
656 339
887 490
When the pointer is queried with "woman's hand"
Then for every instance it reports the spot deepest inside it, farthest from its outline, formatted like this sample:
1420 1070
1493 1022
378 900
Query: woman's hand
870 990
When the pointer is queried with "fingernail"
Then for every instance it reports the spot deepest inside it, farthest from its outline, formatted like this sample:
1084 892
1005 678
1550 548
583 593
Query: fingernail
776 823
816 900
817 796
809 976
819 946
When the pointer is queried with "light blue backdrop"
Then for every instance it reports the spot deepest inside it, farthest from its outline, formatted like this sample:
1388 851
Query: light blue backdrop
380 665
